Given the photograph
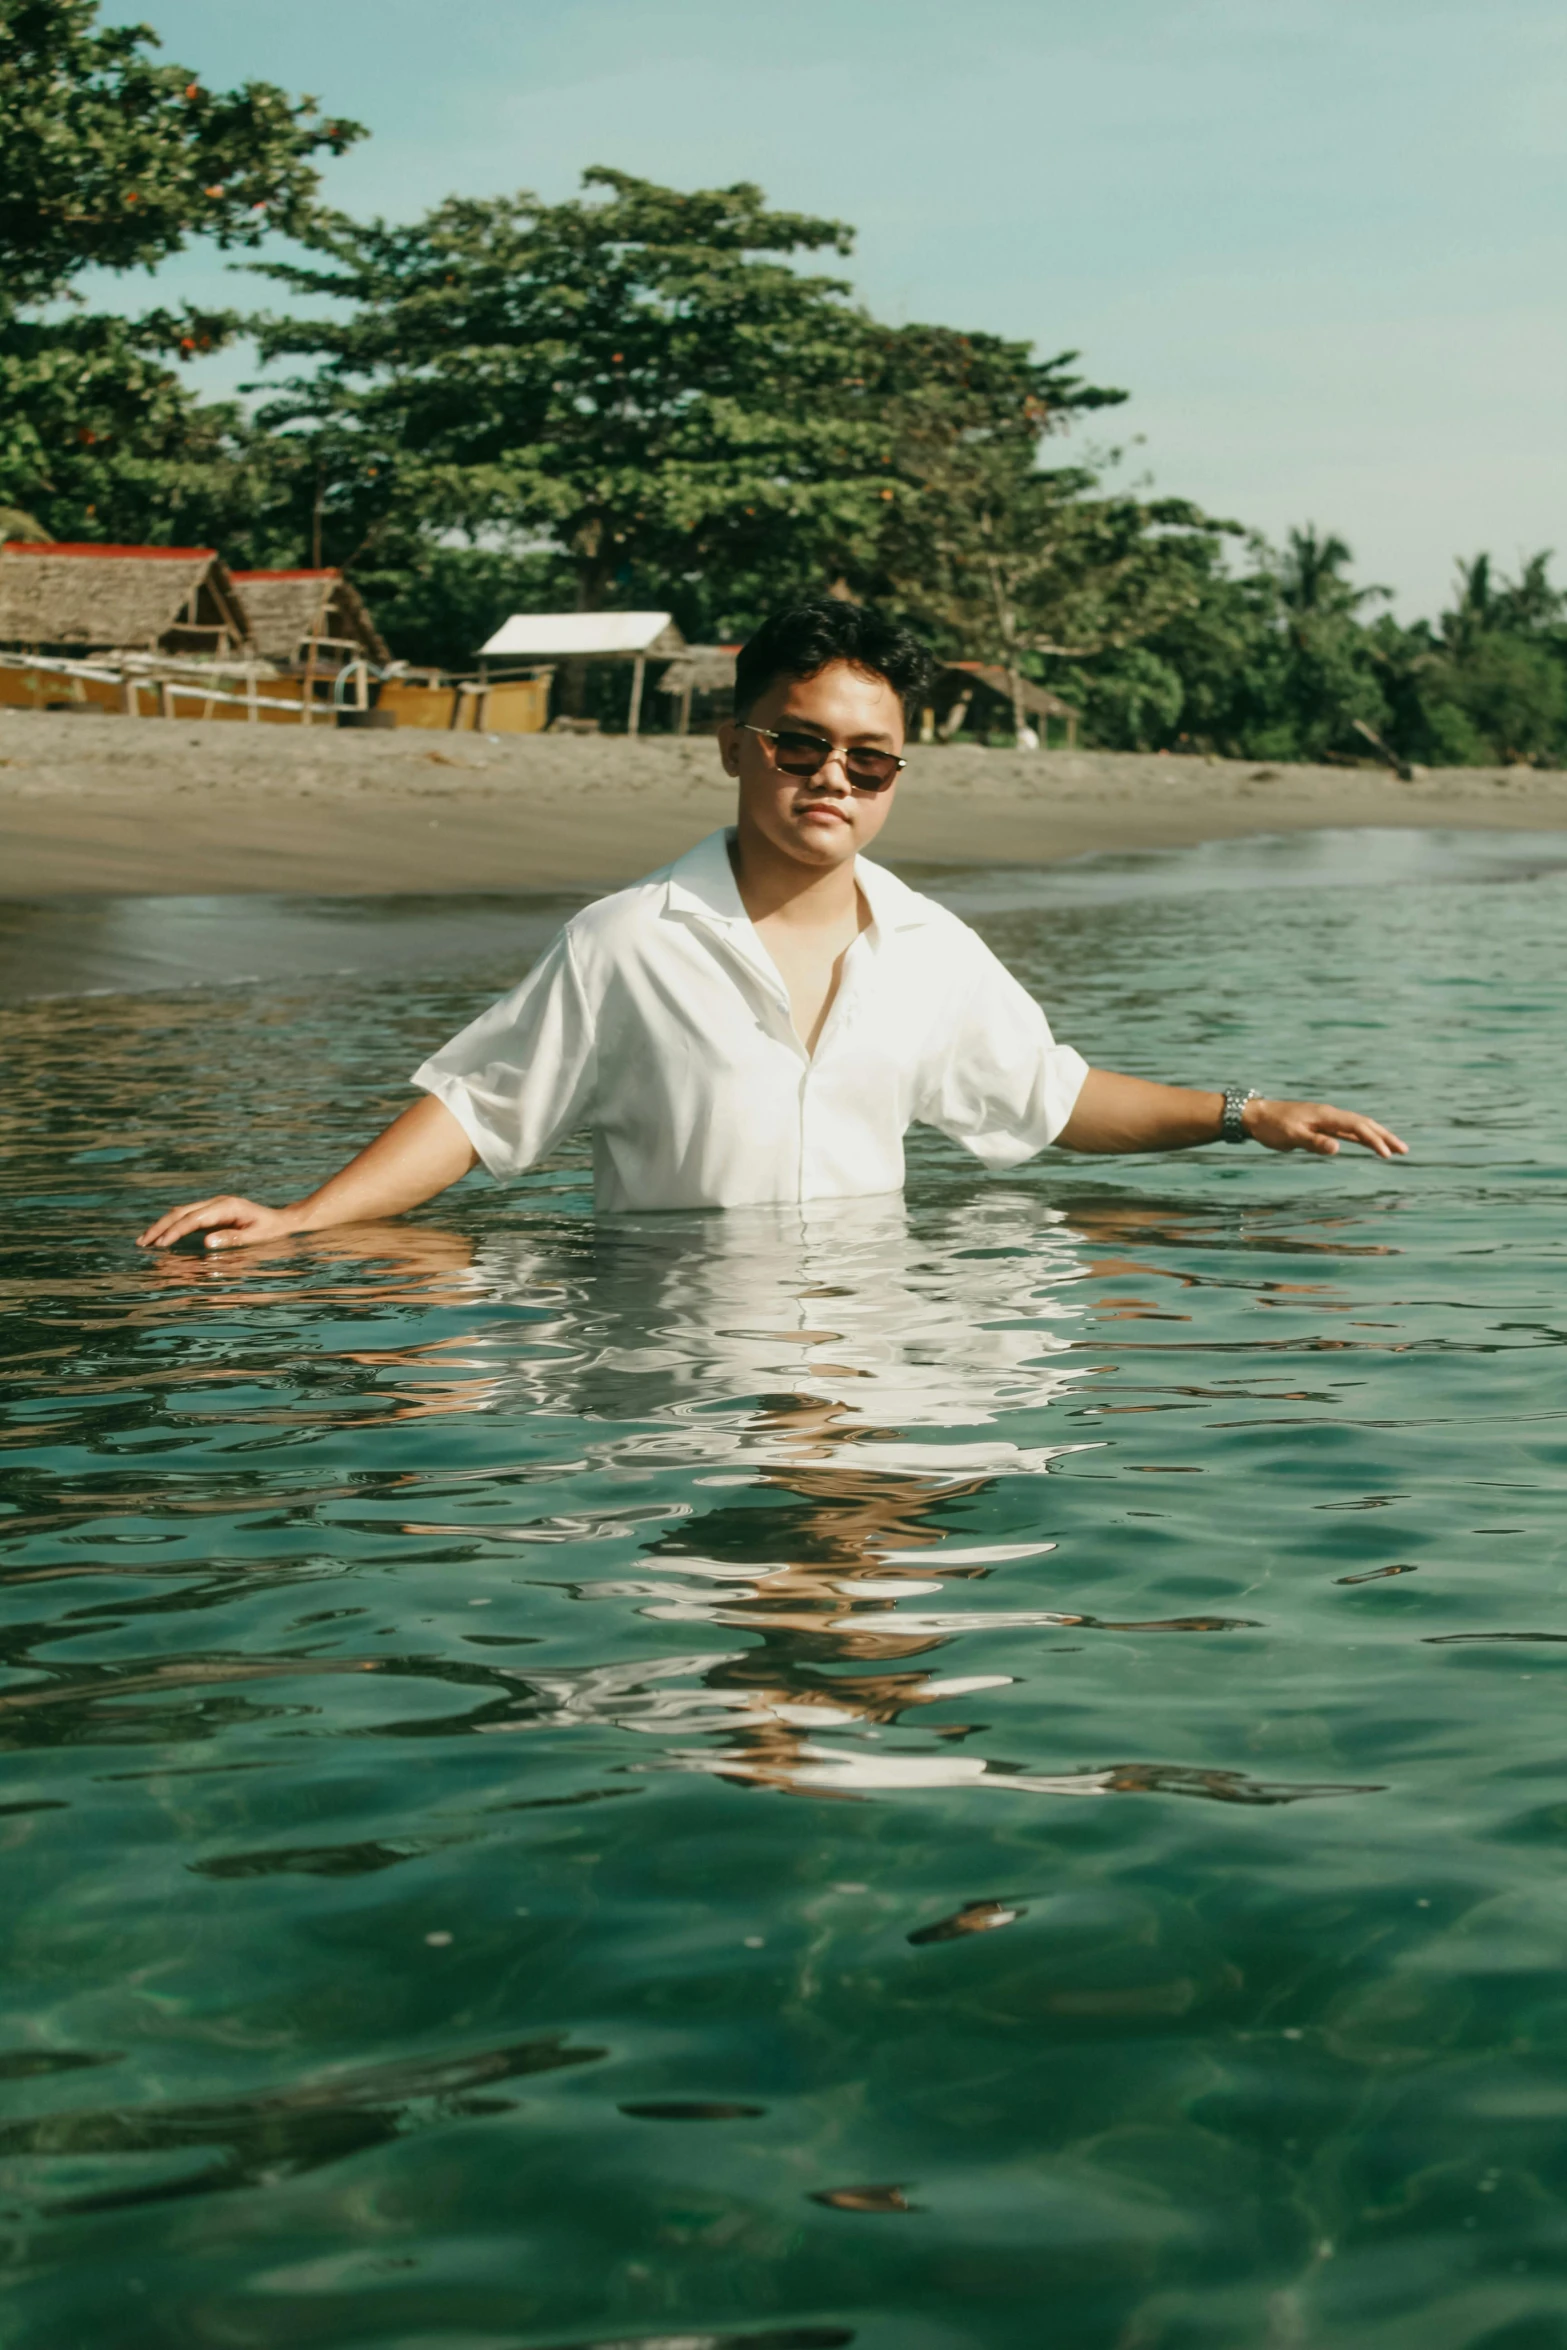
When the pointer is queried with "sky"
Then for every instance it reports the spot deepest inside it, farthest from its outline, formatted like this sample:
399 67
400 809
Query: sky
1322 243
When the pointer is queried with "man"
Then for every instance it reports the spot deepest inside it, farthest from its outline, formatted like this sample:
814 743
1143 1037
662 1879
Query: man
763 1020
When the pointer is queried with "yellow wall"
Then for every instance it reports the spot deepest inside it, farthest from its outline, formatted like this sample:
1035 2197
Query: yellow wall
521 706
417 705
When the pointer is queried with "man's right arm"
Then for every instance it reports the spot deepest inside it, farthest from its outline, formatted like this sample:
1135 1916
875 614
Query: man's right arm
419 1154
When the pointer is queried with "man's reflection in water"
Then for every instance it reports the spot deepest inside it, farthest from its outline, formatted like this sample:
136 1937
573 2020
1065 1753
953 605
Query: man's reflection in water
843 1374
846 1376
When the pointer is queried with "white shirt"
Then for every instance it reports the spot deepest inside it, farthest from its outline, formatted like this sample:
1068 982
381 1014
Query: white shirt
659 1019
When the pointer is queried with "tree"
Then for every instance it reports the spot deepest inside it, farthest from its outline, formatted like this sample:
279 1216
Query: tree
1327 688
99 437
1311 575
999 558
1204 675
1494 671
109 158
635 378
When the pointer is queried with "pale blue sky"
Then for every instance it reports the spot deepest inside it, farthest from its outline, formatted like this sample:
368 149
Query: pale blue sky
1323 243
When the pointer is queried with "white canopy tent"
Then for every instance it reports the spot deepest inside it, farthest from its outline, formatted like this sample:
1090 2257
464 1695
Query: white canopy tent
589 636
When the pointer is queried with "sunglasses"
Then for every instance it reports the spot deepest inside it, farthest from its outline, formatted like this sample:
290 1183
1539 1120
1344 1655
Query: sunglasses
797 753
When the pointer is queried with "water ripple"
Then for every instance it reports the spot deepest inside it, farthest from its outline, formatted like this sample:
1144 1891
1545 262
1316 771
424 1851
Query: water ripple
350 1594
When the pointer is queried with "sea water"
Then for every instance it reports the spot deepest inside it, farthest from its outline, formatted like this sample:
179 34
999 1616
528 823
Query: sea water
986 1768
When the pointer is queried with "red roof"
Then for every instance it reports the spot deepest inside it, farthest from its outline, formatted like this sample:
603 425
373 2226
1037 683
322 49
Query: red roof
88 547
285 575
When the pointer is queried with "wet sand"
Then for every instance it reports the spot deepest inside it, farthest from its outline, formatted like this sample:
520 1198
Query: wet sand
111 806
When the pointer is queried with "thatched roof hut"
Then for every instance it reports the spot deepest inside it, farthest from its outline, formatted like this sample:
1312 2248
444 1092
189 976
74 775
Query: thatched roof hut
65 598
708 670
701 669
289 609
957 682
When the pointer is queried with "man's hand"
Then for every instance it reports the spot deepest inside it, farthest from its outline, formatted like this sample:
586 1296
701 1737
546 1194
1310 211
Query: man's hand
1317 1126
1115 1113
227 1222
419 1154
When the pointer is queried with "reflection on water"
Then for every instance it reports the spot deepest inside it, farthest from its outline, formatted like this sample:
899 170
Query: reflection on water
856 1380
406 1637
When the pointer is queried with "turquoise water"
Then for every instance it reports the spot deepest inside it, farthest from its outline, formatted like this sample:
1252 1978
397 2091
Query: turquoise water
986 1770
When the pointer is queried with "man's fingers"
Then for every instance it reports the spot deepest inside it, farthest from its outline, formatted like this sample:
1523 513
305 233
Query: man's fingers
176 1224
201 1216
1319 1127
1370 1132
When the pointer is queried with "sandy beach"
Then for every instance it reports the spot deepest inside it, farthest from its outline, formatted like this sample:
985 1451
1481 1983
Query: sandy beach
90 806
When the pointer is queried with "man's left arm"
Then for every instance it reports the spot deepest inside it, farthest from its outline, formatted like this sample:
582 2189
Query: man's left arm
1115 1113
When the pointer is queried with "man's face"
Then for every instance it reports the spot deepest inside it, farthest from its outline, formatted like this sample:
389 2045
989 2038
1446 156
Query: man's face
820 819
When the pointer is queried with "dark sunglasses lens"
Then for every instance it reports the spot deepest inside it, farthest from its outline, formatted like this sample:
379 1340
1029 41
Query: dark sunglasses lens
800 754
871 770
806 754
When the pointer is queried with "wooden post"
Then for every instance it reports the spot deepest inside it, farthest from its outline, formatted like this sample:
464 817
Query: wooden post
638 672
128 694
952 725
684 724
361 685
1071 730
1019 715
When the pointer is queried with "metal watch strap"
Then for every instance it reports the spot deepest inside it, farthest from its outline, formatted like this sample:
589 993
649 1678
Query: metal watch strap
1232 1126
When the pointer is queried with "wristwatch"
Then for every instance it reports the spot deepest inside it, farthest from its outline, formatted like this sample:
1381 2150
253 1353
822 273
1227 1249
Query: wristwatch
1232 1126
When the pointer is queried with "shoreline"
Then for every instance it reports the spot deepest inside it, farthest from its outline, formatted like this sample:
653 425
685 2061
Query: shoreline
116 807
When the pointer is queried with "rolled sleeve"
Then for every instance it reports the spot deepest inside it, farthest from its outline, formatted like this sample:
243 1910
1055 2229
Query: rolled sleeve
1002 1086
521 1076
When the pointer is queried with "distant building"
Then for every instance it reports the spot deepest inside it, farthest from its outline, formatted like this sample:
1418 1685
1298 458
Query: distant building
584 636
959 685
706 674
575 638
74 600
292 611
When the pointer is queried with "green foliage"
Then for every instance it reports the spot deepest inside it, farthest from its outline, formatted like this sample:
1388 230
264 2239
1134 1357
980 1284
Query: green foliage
1492 677
441 604
637 373
100 439
108 157
1280 661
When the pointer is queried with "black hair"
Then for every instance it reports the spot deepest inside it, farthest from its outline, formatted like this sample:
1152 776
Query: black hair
803 638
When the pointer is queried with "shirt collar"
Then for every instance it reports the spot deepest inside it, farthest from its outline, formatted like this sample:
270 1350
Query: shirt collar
702 883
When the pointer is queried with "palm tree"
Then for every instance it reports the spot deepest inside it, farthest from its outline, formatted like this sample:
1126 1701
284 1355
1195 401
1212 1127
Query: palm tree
1474 614
1312 577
